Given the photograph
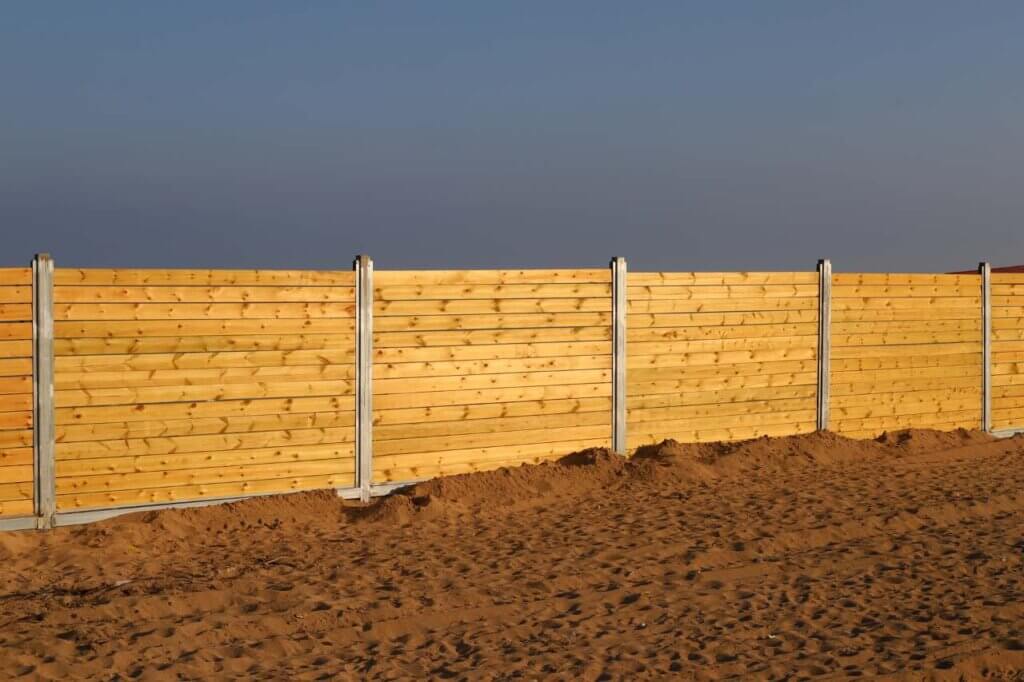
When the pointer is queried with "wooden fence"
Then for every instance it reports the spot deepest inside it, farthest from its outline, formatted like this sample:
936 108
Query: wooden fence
179 387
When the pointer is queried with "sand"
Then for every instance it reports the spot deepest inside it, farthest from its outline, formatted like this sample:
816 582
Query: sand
775 558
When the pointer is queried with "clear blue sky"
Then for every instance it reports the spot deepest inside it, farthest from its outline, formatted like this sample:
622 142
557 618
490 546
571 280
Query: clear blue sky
682 135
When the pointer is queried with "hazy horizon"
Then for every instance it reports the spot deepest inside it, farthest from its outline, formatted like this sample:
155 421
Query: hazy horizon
683 136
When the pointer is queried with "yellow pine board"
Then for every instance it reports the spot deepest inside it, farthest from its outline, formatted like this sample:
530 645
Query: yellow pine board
383 387
918 304
12 367
15 384
683 411
203 344
729 332
840 328
293 438
490 321
903 279
964 418
720 397
198 377
14 438
339 458
522 452
16 402
458 306
481 367
18 490
719 278
13 331
143 328
490 352
15 312
16 276
140 412
16 349
719 305
673 424
455 442
162 428
450 277
153 277
129 362
201 294
904 397
16 294
491 412
650 437
904 338
480 427
721 319
890 409
906 291
200 311
181 493
925 384
168 394
905 350
882 375
904 362
15 474
16 420
700 346
10 508
710 358
642 375
720 383
500 395
416 339
739 291
384 293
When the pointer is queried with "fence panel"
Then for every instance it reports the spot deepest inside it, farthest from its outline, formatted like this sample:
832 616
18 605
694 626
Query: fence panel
720 356
478 369
1007 351
16 398
175 385
906 352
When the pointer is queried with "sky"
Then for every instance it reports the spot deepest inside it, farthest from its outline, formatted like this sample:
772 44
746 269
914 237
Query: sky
886 136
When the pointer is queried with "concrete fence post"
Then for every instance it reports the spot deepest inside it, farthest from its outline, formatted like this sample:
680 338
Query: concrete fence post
824 339
364 375
43 429
618 266
985 270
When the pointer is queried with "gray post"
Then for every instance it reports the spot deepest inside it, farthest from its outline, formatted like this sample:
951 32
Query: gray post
619 291
364 375
43 430
985 270
824 338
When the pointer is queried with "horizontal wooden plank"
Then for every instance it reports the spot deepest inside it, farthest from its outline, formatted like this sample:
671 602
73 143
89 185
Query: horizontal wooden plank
382 387
701 346
142 412
163 428
292 438
491 413
13 331
719 358
1008 279
197 377
719 305
690 425
15 312
909 304
16 420
201 294
16 474
904 338
737 291
883 375
905 350
171 394
641 375
906 291
16 402
469 322
12 508
924 384
436 428
919 326
14 438
141 277
182 493
421 294
403 370
495 306
904 408
16 294
715 411
449 277
499 395
198 476
20 384
964 418
905 316
16 276
10 492
175 328
649 437
905 362
200 311
137 362
384 356
768 317
720 397
16 349
719 278
454 442
12 367
725 332
417 339
903 279
337 459
720 383
202 344
898 397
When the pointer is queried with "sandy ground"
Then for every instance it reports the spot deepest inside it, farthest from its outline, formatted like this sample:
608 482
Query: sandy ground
810 556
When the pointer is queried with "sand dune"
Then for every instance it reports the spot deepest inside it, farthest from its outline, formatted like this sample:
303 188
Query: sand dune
776 558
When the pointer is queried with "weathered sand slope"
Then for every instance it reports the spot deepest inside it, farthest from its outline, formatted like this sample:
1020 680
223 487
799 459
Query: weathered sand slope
790 557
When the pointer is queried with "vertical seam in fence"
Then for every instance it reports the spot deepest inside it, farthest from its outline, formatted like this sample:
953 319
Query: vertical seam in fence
364 376
986 345
619 294
42 391
824 339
